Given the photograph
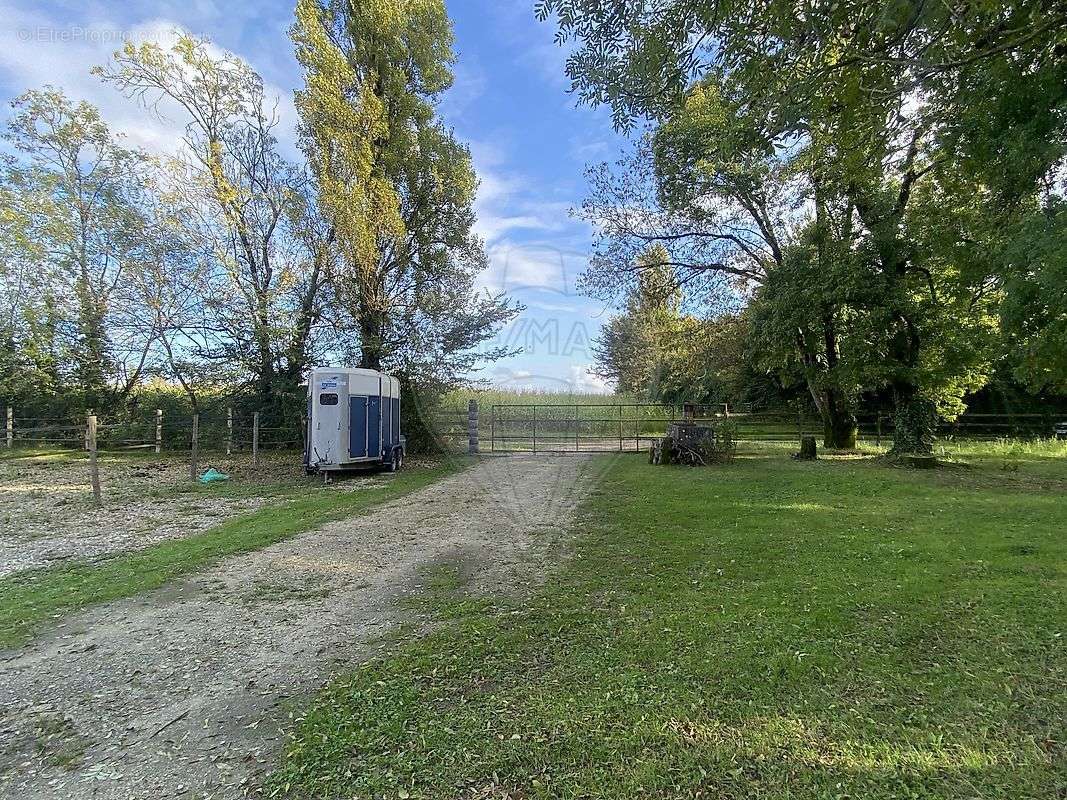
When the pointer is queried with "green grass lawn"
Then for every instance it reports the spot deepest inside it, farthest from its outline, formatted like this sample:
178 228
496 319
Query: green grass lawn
30 600
767 629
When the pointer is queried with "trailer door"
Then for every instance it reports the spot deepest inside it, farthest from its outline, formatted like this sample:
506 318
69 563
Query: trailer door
357 427
374 426
387 424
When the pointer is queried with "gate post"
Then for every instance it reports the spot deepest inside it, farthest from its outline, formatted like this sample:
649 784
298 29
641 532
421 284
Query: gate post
472 427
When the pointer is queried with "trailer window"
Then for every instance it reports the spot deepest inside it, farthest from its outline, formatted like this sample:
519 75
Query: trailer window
328 399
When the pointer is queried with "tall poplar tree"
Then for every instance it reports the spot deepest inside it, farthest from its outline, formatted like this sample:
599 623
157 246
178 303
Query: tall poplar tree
395 185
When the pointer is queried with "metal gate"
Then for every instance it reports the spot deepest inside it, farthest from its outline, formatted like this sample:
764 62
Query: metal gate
632 427
576 427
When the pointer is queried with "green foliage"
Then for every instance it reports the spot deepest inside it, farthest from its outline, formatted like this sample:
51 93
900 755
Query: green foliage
1034 310
253 262
395 186
771 629
900 135
72 219
655 351
916 427
219 266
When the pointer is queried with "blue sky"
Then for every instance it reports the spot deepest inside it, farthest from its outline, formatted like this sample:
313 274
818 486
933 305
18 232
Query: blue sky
509 103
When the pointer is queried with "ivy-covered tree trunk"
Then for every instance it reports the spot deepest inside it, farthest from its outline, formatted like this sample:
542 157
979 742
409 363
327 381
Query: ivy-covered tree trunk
915 423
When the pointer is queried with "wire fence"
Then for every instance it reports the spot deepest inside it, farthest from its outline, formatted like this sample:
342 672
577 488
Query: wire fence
599 427
591 427
229 432
501 427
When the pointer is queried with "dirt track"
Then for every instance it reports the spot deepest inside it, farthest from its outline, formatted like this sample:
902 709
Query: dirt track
182 692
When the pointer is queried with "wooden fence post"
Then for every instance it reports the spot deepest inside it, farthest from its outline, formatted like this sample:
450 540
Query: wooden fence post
159 430
229 431
10 427
94 469
195 445
535 429
472 427
879 439
88 413
255 439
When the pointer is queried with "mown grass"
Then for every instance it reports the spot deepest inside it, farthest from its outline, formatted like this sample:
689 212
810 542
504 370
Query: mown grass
30 600
767 629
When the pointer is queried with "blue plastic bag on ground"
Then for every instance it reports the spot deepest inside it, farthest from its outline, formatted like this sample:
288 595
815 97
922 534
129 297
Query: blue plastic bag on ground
213 475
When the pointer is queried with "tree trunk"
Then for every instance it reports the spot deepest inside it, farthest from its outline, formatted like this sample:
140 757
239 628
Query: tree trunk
807 449
915 423
371 335
840 428
840 431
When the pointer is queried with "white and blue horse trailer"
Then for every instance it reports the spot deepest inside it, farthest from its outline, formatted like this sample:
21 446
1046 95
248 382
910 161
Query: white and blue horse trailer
353 420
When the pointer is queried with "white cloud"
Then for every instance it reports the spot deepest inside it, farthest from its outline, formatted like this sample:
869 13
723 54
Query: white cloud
514 266
583 380
468 85
510 208
585 150
39 50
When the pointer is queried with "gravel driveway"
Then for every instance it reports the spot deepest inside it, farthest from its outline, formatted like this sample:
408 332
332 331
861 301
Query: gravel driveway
182 692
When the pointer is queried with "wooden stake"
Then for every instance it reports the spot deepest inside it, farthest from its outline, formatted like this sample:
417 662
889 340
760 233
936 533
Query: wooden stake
255 439
229 431
195 444
94 469
159 430
10 427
